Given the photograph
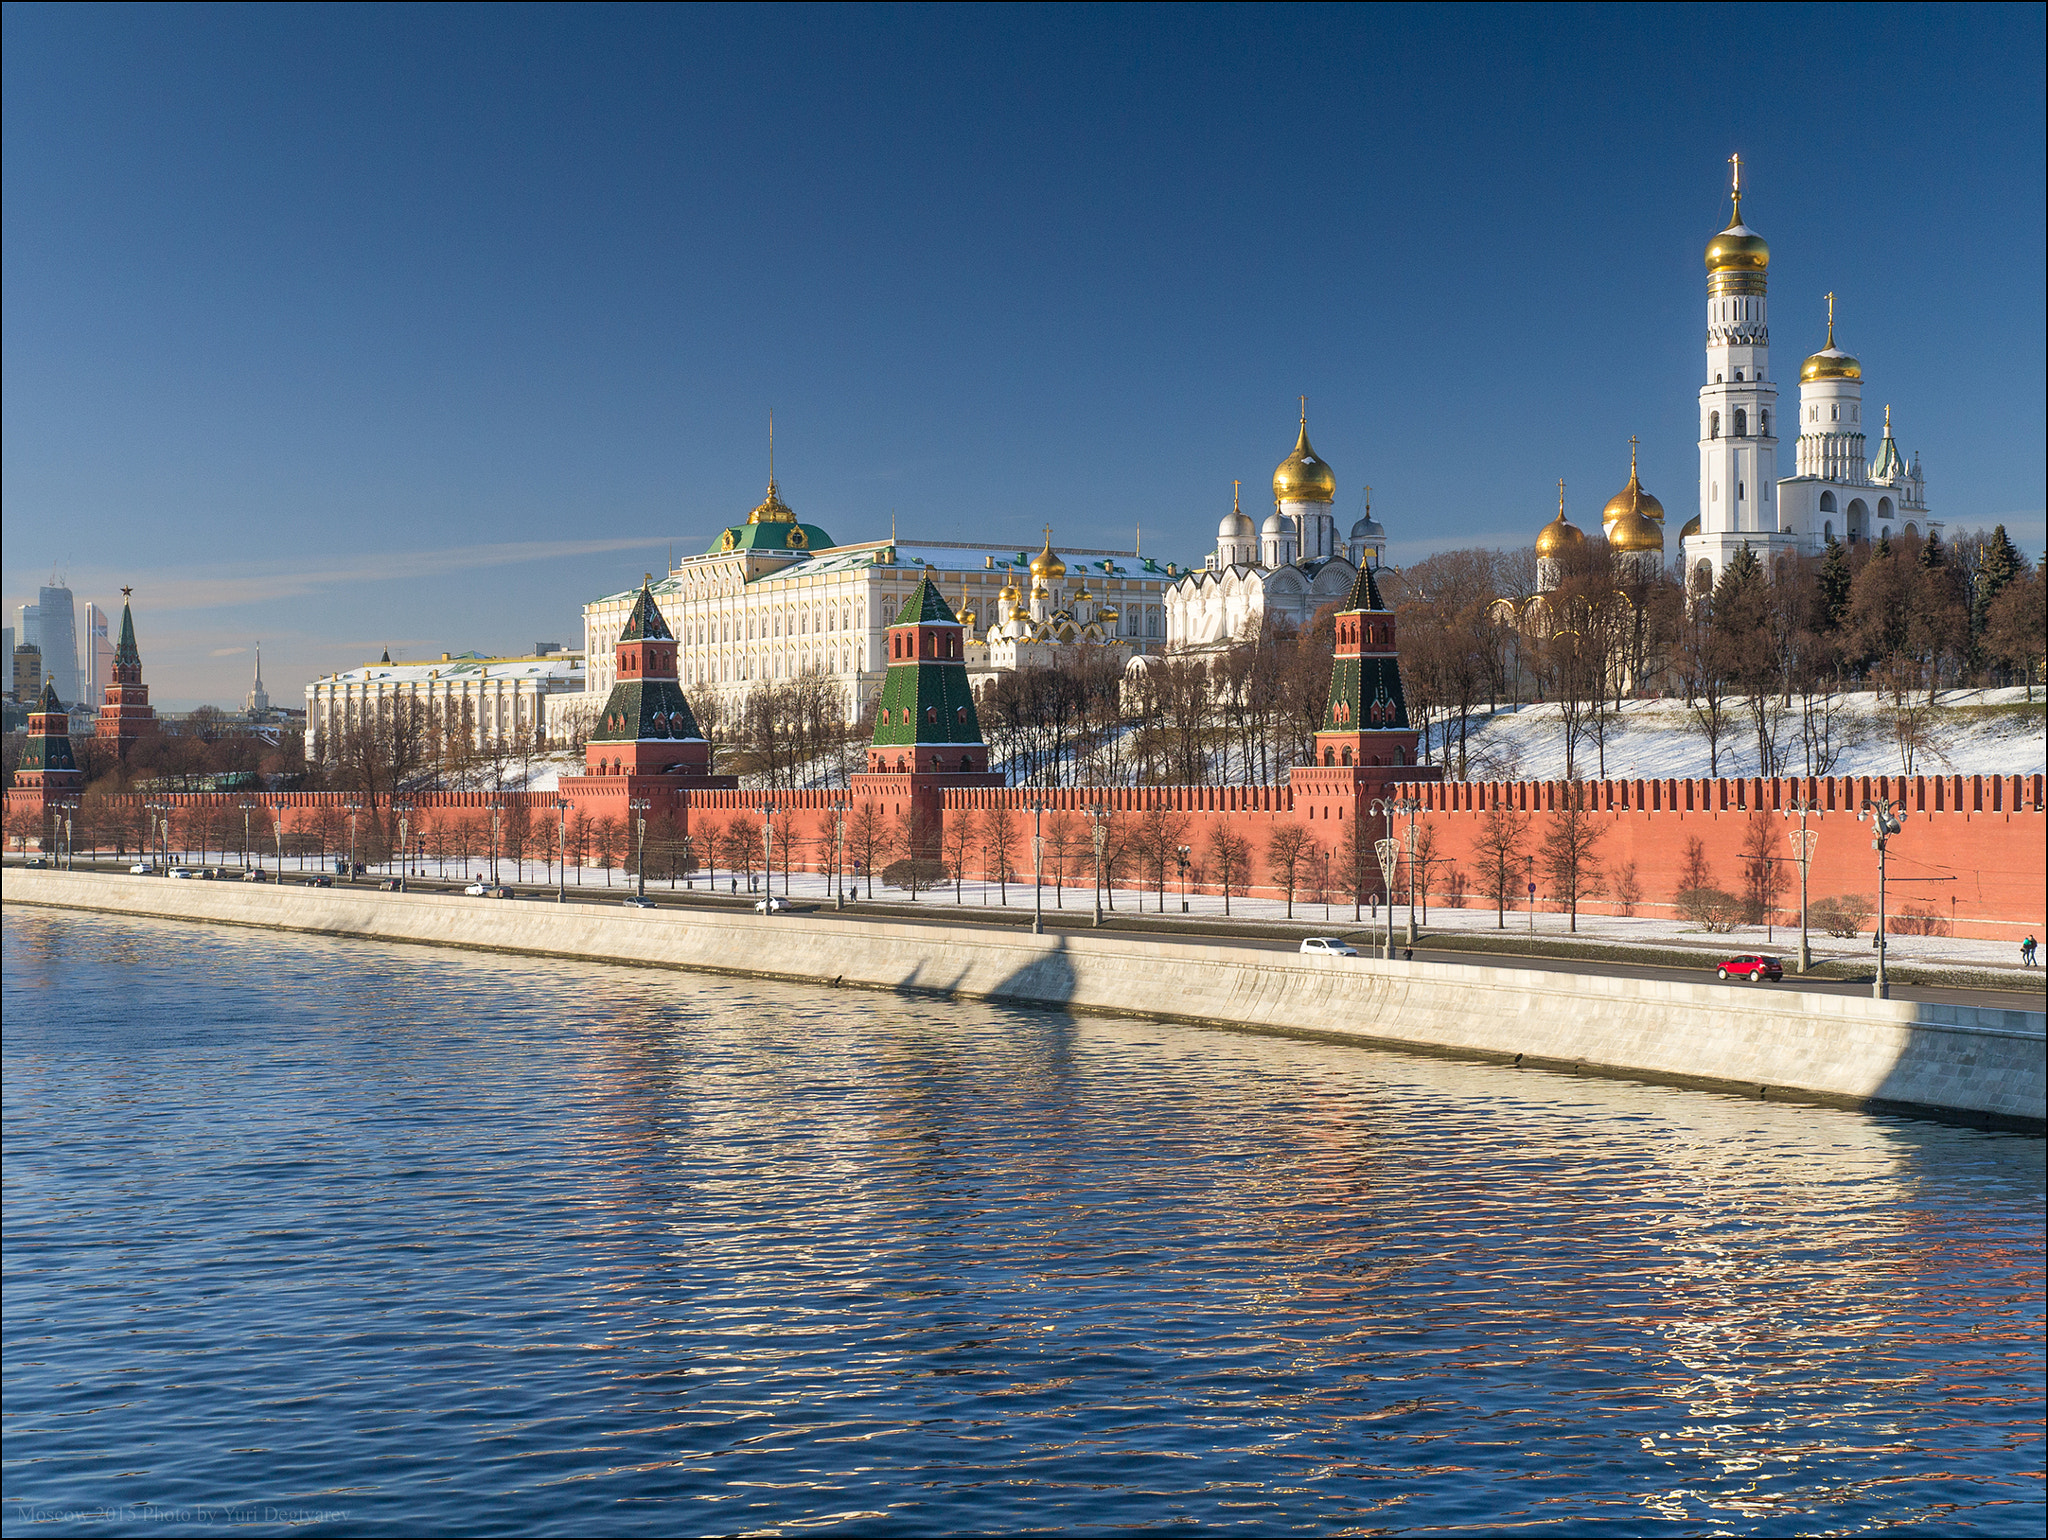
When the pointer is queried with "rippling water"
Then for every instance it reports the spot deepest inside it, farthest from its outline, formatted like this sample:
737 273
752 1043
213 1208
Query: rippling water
361 1238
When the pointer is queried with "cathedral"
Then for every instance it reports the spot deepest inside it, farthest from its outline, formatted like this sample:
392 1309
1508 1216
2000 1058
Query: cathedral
1835 492
1288 568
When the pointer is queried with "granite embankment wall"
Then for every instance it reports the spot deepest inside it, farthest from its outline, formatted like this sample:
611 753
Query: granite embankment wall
1959 1060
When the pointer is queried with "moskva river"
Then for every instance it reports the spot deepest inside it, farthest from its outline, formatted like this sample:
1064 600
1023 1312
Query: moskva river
351 1238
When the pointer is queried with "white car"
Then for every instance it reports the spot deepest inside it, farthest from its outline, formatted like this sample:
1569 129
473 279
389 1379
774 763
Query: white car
140 869
179 871
771 906
1327 946
478 890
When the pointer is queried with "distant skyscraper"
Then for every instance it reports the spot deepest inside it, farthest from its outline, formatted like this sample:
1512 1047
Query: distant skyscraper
28 673
57 635
99 656
7 646
25 633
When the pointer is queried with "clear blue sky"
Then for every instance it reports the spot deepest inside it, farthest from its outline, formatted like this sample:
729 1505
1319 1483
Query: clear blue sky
355 326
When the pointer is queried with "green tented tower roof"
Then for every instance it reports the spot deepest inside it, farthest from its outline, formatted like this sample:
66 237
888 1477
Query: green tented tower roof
926 606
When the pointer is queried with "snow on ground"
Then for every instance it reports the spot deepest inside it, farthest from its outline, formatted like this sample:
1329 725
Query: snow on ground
1979 732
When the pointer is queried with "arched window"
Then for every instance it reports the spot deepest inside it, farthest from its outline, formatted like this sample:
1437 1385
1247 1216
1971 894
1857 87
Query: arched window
1827 502
1827 530
1713 425
1330 758
1834 414
1738 380
1400 758
1741 423
1347 756
1763 424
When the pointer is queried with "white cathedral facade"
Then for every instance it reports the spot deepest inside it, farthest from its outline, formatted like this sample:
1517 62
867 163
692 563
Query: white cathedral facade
1837 490
1287 568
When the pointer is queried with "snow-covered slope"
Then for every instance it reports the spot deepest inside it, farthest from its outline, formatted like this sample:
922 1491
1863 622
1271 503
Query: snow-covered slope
1972 732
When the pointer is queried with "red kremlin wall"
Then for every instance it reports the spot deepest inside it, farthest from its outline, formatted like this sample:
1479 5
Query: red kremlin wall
1989 833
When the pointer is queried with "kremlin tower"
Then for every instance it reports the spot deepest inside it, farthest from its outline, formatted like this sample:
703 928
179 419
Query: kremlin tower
126 715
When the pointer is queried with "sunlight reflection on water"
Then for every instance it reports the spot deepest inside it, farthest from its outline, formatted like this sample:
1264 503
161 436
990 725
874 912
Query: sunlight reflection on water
444 1241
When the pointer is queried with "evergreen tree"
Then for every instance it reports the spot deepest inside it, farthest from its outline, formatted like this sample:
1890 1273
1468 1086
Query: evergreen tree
1883 551
1833 586
1931 553
2001 563
1742 572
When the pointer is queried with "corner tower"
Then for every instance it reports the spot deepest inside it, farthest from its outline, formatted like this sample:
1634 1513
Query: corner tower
46 762
126 715
1738 403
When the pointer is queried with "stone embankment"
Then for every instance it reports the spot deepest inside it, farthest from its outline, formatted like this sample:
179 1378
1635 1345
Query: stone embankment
1984 1064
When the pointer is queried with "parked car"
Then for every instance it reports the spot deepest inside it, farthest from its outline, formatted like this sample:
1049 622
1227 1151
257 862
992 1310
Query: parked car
391 885
1327 946
477 890
634 901
1755 969
255 874
208 874
179 871
320 882
35 861
771 906
141 869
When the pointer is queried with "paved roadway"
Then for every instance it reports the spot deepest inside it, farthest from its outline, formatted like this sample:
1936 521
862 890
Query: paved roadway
2021 997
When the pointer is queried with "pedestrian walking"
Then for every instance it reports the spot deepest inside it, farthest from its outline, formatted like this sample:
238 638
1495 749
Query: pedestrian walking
2027 949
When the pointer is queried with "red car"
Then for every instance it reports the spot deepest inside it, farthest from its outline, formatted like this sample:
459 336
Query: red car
1755 969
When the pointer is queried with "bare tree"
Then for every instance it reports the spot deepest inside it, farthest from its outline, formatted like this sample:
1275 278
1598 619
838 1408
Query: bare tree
1158 841
1285 849
998 845
1232 857
1499 855
1568 850
867 840
1065 840
962 829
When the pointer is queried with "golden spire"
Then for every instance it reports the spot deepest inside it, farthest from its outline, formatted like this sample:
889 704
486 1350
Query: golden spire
1631 457
1368 501
1887 419
1235 488
1736 162
1831 318
1560 497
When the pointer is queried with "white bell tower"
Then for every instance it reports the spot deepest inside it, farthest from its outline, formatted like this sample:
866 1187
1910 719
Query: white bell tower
1738 406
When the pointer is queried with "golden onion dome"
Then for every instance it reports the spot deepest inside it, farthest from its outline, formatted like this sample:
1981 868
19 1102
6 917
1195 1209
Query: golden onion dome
1303 478
1634 532
1046 564
1083 596
1738 249
1692 527
1830 363
1559 534
772 509
1631 498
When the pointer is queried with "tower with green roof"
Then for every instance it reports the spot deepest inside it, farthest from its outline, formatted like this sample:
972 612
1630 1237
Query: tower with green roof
646 727
926 723
126 715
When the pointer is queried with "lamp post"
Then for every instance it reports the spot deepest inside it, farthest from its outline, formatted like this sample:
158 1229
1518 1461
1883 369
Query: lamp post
352 808
1384 809
561 851
160 827
1100 815
1410 806
1803 840
839 852
248 807
277 829
639 806
1181 854
1389 852
403 808
496 805
1038 867
768 849
64 810
1885 822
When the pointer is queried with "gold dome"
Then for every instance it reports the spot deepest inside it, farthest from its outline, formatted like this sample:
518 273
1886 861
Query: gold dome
1301 477
1046 564
1634 532
1559 533
772 510
1631 498
1830 363
1738 249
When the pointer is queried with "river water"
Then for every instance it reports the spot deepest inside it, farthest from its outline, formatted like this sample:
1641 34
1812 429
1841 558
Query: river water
339 1237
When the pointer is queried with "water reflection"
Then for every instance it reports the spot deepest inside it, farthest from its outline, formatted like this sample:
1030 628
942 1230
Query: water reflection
474 1240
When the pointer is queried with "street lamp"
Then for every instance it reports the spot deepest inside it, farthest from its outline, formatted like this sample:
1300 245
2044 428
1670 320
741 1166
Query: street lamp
1100 815
64 809
1803 840
639 807
496 805
1180 854
1885 823
1409 807
768 849
561 851
1389 853
1038 867
352 808
277 828
403 808
1385 809
839 852
248 807
160 826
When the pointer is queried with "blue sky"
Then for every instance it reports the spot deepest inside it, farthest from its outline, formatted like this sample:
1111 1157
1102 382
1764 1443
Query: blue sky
351 327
